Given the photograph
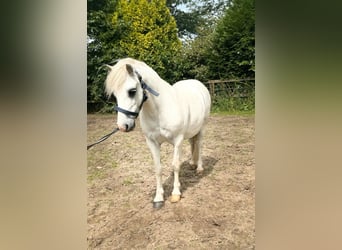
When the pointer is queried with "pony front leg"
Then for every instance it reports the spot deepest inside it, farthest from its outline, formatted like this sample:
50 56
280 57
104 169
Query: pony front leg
176 194
158 200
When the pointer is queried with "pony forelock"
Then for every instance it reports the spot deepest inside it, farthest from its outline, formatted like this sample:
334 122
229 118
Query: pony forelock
118 73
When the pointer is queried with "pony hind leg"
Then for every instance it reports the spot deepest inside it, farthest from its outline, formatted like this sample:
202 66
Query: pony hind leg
192 141
193 160
196 151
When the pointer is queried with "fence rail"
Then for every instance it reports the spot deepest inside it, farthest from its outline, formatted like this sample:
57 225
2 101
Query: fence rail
231 87
239 88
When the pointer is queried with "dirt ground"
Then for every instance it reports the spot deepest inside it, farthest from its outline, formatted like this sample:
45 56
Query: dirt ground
217 209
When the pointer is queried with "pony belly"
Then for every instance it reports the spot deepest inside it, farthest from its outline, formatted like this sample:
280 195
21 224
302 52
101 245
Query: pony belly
167 136
191 133
195 124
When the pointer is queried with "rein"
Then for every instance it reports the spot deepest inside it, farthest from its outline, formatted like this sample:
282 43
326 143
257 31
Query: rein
103 138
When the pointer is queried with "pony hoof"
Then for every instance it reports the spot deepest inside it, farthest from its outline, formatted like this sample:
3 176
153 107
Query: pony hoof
158 204
199 170
175 198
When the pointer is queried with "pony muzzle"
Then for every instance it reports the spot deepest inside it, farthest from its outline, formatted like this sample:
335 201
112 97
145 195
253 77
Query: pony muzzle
127 127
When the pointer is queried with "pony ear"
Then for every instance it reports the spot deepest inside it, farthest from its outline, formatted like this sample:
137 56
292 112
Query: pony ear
129 69
108 66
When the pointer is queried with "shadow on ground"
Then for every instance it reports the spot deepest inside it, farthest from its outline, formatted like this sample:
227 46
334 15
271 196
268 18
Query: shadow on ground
188 176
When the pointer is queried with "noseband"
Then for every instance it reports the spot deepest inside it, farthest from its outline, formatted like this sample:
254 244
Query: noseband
144 86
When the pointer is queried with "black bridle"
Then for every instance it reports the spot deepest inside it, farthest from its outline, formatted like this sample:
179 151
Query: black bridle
130 114
144 86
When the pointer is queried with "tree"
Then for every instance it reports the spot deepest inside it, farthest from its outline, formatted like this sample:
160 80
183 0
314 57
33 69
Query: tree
186 20
100 49
196 24
147 32
233 51
193 61
190 14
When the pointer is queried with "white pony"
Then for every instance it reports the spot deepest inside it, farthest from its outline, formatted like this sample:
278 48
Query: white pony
168 113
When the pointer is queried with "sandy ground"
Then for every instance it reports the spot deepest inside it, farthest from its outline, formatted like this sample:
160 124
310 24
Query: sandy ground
217 209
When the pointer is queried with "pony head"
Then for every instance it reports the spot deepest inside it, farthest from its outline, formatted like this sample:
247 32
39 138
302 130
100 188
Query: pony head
125 84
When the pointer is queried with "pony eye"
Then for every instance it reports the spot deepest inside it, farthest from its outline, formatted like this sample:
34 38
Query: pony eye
132 92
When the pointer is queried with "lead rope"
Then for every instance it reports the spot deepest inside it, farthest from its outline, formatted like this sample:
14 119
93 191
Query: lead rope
103 138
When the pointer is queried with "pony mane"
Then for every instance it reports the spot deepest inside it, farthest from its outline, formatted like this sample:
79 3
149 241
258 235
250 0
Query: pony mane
118 74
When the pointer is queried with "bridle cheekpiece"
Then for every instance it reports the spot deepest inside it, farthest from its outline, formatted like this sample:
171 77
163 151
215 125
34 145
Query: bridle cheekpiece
144 86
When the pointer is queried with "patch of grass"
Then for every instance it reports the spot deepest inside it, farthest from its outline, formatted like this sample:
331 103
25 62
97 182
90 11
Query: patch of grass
96 174
233 104
99 163
127 181
236 112
114 165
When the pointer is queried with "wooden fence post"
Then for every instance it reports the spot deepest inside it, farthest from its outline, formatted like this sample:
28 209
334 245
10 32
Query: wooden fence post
211 88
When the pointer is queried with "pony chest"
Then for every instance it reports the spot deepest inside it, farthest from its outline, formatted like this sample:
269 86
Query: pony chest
160 135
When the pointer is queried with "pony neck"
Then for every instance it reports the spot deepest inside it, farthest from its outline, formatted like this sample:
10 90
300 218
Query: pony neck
152 106
154 81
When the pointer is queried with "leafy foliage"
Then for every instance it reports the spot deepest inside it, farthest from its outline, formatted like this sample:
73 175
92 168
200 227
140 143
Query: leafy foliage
233 46
100 49
225 51
194 56
116 29
240 99
217 42
190 14
148 32
186 21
